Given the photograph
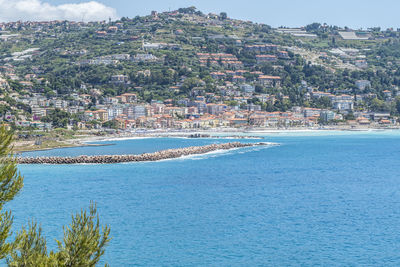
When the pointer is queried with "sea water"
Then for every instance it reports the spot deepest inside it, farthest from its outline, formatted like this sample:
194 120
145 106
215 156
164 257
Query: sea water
324 198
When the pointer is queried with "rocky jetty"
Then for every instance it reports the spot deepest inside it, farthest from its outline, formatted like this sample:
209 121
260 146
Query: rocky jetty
160 155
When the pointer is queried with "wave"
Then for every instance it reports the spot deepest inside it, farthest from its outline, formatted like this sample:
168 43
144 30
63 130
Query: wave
217 153
109 139
224 149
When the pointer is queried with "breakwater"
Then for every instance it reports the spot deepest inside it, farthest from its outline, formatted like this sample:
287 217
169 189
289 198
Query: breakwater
159 155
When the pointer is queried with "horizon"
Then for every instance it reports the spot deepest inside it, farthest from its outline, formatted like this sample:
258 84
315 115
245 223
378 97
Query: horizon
356 15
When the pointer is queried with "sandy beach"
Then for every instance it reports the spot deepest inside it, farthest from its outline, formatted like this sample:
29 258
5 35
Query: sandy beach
217 133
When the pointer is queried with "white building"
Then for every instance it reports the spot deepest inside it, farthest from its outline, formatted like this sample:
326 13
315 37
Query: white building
247 88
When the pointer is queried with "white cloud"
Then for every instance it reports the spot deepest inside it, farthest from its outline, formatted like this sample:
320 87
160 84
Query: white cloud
36 10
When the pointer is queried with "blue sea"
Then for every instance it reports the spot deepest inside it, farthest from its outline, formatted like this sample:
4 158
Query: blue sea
319 198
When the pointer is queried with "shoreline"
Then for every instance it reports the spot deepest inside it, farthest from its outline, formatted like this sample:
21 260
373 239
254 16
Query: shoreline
145 157
216 133
62 147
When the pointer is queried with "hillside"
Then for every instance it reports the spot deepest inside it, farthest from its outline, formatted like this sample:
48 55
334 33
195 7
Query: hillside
186 69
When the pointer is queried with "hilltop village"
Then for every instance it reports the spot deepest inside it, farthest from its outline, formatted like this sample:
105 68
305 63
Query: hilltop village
188 70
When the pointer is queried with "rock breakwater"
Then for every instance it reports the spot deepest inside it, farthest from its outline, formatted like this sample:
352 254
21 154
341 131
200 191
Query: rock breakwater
160 155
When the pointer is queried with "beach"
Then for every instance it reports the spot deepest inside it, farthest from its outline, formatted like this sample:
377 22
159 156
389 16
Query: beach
90 139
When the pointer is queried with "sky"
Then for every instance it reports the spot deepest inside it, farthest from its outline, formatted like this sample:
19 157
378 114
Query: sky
291 13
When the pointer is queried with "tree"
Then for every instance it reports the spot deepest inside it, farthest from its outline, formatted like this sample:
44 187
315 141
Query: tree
377 105
112 124
323 102
83 244
11 183
313 27
187 10
398 104
223 15
350 116
29 248
58 118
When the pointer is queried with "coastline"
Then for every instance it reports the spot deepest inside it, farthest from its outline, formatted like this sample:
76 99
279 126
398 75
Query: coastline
215 133
60 147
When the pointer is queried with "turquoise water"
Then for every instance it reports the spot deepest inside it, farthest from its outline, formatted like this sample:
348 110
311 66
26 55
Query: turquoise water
317 199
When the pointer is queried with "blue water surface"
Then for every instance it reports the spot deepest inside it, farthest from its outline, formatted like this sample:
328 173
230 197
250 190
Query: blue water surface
317 199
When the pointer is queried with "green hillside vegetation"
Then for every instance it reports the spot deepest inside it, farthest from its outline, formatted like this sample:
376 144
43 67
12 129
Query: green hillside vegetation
71 58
